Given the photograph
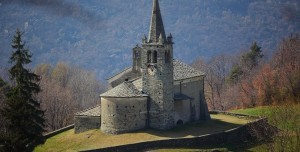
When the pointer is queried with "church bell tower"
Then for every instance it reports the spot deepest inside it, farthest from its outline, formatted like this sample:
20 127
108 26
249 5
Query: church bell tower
156 65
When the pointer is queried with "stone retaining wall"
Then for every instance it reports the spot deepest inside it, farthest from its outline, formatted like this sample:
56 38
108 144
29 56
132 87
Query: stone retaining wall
56 132
50 134
85 123
233 114
234 136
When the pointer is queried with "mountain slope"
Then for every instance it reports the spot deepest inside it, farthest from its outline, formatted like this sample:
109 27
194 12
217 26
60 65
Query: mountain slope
99 35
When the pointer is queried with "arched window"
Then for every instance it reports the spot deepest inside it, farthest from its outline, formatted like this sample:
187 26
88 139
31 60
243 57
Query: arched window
167 56
149 56
137 54
154 58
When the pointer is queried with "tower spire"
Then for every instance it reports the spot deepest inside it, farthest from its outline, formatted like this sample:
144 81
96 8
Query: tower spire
156 25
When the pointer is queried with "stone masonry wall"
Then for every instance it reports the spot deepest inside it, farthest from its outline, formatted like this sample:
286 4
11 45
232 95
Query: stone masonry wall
56 132
237 136
159 85
182 111
193 89
121 115
85 123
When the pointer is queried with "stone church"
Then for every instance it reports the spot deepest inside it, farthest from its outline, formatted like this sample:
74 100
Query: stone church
156 92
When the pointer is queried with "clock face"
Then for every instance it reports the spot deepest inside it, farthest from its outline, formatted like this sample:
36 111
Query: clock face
152 70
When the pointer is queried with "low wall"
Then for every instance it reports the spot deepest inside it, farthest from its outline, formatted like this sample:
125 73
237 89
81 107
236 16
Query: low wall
234 114
85 123
49 135
56 132
234 136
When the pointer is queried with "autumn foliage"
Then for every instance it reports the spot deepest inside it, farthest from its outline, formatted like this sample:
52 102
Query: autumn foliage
276 81
279 80
249 79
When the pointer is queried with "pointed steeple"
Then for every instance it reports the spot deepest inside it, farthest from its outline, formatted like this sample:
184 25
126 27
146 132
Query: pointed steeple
156 25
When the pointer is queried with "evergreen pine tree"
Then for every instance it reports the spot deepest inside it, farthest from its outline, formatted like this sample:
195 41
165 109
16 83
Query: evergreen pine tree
235 74
251 59
4 88
21 109
248 62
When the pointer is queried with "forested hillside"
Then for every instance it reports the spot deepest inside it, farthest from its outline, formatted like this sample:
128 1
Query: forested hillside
99 35
249 79
249 50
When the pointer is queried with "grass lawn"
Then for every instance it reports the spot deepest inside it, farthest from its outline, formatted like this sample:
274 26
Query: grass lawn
192 150
286 118
257 111
68 141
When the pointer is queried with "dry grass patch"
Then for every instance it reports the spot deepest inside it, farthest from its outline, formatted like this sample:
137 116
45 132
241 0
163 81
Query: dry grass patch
192 150
68 141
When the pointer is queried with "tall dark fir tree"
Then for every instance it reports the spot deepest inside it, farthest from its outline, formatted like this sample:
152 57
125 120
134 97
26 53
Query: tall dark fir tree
21 109
251 59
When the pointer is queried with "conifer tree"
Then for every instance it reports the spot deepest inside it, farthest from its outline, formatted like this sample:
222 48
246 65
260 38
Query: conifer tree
4 88
248 62
21 109
251 59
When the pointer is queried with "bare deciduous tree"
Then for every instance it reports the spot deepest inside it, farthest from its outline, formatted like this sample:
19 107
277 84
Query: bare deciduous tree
66 90
58 103
216 71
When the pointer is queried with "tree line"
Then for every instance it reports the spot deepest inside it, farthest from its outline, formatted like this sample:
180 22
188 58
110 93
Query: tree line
249 79
45 99
41 100
66 90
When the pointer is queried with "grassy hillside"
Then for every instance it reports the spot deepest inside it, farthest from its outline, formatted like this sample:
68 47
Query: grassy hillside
287 119
257 111
284 117
68 141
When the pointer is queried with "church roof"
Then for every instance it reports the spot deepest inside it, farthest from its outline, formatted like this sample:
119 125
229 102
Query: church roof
126 70
156 26
125 89
138 84
184 71
181 71
180 97
95 112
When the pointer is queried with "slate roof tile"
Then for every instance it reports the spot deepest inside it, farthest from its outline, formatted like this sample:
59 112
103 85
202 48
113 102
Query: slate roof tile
133 89
181 71
125 89
184 71
138 84
95 111
180 96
